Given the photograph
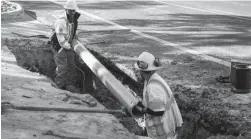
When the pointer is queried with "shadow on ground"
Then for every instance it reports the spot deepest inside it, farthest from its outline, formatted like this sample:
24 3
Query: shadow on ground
116 5
200 31
39 5
220 28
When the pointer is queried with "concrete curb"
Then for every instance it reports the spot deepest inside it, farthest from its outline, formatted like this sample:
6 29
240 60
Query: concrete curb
12 14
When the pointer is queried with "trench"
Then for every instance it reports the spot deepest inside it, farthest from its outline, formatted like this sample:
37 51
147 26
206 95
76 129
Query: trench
199 122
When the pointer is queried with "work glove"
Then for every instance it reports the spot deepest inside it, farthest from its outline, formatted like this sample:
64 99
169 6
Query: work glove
125 112
66 46
139 110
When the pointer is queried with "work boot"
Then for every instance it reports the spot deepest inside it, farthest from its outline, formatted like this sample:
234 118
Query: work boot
72 89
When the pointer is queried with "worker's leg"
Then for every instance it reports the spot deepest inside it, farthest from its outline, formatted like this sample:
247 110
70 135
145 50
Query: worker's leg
88 83
62 67
72 73
89 80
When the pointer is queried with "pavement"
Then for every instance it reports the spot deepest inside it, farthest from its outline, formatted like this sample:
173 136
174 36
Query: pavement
214 28
22 87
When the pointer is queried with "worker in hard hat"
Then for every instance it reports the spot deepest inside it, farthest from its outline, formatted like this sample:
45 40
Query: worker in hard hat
65 31
160 110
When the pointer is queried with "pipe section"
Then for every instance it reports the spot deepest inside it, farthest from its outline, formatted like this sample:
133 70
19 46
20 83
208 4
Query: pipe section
125 97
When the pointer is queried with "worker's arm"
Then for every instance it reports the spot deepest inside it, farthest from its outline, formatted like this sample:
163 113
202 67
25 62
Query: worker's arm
140 110
155 101
61 32
156 97
77 15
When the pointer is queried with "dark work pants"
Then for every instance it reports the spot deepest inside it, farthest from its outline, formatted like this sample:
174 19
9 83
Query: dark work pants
66 68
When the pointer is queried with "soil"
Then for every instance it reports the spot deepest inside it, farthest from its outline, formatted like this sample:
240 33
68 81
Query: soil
40 59
209 109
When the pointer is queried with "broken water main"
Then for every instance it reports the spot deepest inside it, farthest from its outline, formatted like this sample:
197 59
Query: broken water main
36 55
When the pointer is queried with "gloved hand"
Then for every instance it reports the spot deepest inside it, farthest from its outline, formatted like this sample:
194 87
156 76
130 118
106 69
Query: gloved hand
125 112
139 109
67 46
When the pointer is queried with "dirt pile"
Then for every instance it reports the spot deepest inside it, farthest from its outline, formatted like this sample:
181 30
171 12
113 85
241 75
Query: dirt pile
33 54
207 111
206 114
37 56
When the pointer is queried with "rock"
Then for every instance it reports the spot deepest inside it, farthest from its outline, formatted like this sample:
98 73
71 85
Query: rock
214 90
174 62
195 73
239 99
234 113
189 59
206 93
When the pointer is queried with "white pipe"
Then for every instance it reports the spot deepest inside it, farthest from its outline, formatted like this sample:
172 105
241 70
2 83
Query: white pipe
125 97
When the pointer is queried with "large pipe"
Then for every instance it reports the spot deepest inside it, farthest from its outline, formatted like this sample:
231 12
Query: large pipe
125 97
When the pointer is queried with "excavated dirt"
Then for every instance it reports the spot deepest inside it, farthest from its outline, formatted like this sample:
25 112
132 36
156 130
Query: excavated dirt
210 110
37 56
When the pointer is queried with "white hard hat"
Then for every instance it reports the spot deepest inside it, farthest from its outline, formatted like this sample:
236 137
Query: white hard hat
71 5
147 62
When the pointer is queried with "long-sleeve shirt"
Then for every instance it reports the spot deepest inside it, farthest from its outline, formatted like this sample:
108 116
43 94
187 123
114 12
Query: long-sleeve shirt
157 96
64 31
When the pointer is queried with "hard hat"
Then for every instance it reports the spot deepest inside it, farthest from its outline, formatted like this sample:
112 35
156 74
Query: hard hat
147 62
71 5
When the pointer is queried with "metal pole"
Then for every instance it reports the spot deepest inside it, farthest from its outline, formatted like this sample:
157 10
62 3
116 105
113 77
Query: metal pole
125 97
31 108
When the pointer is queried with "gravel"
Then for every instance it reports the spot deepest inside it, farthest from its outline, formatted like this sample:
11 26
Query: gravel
7 6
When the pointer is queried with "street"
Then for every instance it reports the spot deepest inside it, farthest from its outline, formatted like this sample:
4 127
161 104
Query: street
212 28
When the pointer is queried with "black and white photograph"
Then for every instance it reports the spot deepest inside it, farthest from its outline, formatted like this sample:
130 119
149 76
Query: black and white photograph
125 69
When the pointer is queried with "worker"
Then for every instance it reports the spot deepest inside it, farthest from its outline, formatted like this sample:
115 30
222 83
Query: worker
159 108
65 31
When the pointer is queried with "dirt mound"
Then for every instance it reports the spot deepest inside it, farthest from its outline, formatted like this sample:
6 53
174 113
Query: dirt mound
208 111
206 114
37 56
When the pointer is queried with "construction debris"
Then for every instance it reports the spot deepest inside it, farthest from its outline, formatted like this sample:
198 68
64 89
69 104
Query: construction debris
77 99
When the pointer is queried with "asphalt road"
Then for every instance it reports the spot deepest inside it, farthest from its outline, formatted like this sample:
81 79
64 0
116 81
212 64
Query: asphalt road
219 29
